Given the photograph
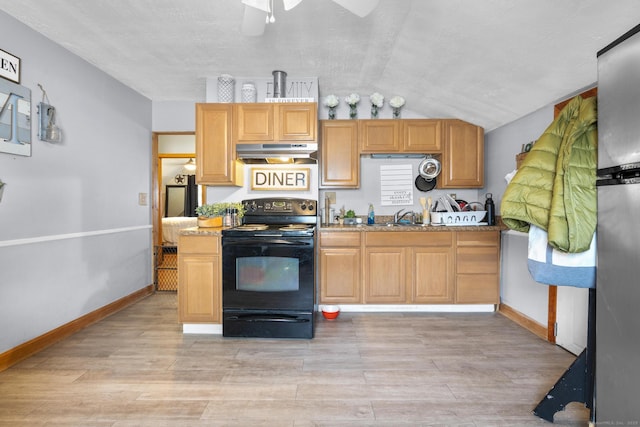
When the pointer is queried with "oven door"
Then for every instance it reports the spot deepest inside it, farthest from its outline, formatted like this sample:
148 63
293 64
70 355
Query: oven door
267 273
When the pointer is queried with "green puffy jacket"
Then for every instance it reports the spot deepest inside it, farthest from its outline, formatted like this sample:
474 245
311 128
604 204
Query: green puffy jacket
555 187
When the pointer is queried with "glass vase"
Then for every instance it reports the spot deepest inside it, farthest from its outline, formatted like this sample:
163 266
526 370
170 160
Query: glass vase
396 113
353 111
374 111
332 113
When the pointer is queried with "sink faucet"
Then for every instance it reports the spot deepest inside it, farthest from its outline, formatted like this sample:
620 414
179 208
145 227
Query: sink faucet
397 217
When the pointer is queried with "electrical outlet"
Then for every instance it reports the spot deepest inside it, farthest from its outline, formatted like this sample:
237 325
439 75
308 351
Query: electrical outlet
142 199
332 196
453 196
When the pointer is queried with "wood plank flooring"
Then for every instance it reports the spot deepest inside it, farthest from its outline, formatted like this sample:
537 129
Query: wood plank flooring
136 368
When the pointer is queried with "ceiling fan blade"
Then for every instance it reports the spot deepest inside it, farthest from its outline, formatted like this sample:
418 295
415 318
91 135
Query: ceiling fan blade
290 4
258 4
254 21
359 7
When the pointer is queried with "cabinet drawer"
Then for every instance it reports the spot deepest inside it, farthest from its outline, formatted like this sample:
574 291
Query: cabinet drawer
478 238
477 289
340 238
407 238
482 260
199 244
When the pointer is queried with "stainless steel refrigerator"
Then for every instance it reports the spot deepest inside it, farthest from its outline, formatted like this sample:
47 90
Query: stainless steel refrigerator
617 372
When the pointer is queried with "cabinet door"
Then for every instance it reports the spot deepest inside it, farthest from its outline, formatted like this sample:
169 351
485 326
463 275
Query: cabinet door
253 122
463 157
422 136
215 153
199 279
340 275
199 290
339 154
379 136
432 275
385 275
297 122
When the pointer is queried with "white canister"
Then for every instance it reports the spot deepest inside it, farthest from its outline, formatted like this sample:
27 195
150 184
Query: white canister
226 88
249 93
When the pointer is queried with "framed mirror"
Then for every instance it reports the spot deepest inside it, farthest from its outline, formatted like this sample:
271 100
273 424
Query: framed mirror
174 203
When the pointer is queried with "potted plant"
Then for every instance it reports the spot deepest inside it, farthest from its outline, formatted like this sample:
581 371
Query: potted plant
210 215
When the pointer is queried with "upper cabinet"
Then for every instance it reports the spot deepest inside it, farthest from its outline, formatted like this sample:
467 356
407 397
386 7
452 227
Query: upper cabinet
380 136
339 154
401 136
463 155
268 122
216 162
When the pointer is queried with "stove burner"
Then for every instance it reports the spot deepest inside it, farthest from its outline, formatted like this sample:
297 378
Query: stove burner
251 227
294 227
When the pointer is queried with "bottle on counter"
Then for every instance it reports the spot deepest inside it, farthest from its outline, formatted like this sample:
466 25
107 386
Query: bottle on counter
490 207
371 218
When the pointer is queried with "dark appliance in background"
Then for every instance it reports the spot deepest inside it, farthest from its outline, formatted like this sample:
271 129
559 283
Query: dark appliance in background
617 284
268 270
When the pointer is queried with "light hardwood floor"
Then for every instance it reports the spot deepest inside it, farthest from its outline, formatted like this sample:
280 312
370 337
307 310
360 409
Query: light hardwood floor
136 368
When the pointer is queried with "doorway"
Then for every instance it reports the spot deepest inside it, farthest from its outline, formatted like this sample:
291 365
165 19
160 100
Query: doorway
174 201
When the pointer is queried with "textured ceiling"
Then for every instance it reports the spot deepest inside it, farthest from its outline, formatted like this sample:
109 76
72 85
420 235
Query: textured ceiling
485 61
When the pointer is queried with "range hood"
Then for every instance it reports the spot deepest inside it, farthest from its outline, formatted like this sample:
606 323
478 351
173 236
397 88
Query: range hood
278 152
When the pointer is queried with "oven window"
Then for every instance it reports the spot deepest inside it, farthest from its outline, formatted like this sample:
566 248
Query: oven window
267 274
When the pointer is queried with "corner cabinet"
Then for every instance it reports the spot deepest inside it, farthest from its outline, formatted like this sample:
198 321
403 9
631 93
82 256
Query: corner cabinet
199 279
216 162
463 155
339 154
273 122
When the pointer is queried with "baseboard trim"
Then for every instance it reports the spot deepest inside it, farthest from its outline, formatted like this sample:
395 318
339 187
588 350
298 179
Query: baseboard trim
524 321
33 346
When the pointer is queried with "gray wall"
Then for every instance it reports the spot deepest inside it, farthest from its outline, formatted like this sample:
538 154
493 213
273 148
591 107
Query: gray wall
518 290
72 235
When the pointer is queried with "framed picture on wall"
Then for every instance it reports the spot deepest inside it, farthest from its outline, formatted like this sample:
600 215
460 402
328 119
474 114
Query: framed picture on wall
9 66
15 119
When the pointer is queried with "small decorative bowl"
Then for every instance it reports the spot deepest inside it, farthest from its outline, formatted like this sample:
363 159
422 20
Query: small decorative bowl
330 312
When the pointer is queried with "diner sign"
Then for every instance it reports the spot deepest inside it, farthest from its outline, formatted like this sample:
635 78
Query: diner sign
295 179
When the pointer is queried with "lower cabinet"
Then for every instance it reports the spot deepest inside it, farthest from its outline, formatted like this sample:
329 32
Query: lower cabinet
478 267
445 267
199 279
339 259
408 267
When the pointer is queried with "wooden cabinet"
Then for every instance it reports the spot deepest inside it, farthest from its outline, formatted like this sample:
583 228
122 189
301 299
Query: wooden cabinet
199 279
339 154
216 162
408 267
401 136
379 136
478 267
422 136
339 259
267 122
463 155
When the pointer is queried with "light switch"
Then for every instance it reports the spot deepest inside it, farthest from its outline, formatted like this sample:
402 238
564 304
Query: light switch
332 196
142 199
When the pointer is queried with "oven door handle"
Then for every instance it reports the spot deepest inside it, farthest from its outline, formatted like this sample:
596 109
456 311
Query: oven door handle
268 318
262 242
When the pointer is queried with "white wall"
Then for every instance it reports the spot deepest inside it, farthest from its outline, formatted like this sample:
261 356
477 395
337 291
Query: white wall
72 235
518 290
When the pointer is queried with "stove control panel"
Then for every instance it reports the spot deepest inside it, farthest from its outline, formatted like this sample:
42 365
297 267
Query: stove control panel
280 206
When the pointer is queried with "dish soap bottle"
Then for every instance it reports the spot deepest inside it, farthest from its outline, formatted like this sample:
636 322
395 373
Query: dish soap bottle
371 218
490 207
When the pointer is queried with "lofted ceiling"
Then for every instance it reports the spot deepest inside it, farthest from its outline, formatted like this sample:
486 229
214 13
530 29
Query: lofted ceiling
488 62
